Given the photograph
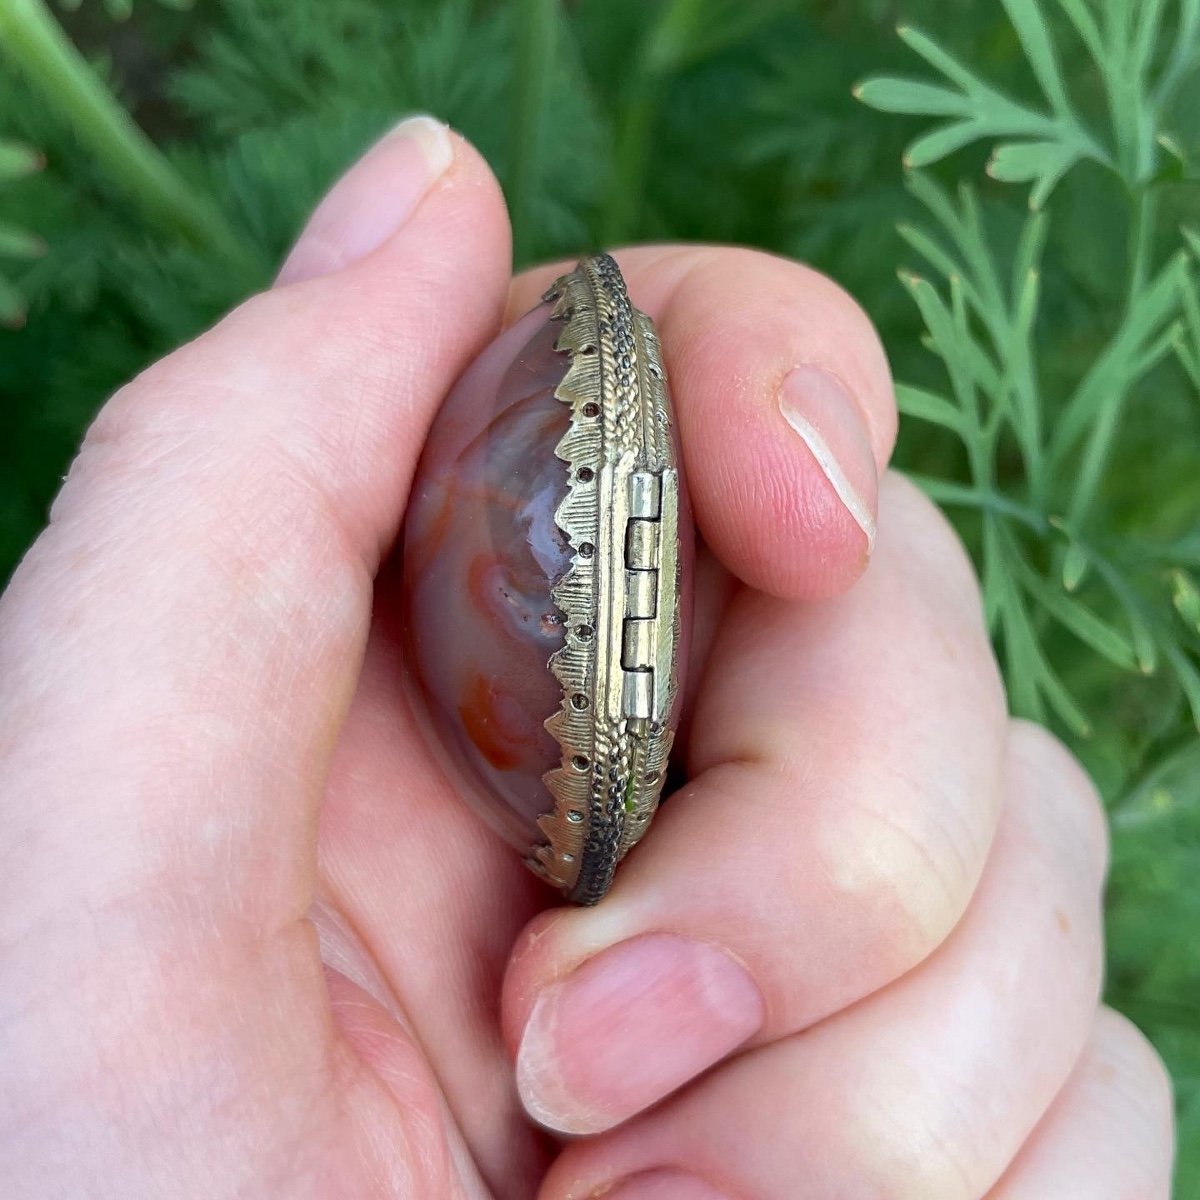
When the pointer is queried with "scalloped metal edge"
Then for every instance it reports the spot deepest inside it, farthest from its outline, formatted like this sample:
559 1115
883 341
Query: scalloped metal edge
608 784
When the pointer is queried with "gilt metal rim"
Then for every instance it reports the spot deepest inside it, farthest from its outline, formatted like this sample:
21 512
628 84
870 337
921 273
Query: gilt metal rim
620 598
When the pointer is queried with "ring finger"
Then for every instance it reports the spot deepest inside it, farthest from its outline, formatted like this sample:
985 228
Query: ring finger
929 1088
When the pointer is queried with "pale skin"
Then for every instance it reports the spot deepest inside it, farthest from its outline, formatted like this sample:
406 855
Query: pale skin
252 942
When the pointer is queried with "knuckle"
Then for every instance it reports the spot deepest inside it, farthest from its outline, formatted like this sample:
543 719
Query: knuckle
909 876
1042 765
906 1152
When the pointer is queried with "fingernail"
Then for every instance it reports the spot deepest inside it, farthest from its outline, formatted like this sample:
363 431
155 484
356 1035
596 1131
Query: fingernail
660 1185
372 200
630 1026
816 404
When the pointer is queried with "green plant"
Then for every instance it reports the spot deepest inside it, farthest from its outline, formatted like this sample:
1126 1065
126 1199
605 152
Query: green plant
121 10
55 68
1049 342
16 162
984 333
1044 439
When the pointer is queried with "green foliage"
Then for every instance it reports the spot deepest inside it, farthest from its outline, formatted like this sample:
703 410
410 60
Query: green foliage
16 162
1046 325
121 10
1052 439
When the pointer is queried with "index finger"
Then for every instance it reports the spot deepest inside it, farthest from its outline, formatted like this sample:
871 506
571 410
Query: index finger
784 403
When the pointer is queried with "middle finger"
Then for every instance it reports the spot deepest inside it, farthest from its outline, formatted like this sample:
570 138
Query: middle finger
847 764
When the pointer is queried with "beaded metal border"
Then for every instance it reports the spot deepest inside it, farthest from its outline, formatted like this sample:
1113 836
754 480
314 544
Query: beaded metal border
620 598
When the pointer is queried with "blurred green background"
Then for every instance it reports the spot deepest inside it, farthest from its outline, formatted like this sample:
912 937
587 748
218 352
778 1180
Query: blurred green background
1017 204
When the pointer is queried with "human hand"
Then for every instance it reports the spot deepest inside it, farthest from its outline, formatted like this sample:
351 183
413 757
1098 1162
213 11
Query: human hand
251 943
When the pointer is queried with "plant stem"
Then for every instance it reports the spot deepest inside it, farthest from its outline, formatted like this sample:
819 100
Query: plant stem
1185 50
532 72
634 123
1144 206
987 499
38 47
1103 428
659 53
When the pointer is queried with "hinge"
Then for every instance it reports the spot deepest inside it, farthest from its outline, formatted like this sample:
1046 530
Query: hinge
640 631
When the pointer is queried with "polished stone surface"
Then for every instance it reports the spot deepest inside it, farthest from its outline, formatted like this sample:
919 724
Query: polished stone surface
482 552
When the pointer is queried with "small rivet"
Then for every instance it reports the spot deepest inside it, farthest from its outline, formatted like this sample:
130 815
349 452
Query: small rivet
584 632
586 549
579 701
574 816
650 777
585 474
591 410
568 858
580 763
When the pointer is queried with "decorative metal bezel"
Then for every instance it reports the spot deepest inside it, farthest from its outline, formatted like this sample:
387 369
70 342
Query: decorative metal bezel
620 598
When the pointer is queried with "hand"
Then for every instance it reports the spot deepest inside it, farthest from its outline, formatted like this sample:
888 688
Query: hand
251 943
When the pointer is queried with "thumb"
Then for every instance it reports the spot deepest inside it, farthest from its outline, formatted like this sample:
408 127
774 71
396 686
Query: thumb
186 634
372 200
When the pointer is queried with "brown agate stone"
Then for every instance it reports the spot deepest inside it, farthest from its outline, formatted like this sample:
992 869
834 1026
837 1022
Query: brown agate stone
487 565
482 551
